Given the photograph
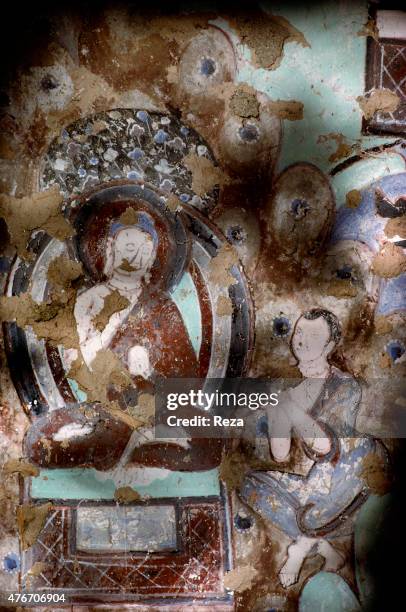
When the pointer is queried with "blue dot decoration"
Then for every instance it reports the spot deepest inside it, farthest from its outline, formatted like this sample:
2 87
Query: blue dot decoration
395 350
281 326
248 133
207 66
299 207
344 273
236 234
243 523
11 563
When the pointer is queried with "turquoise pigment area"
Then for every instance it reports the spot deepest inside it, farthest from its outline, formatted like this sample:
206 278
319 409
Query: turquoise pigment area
187 300
88 483
327 76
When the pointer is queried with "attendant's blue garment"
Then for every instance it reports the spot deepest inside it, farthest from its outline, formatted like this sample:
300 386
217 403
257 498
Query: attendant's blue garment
319 503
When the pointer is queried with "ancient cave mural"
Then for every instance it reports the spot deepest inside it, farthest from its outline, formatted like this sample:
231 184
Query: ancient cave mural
203 195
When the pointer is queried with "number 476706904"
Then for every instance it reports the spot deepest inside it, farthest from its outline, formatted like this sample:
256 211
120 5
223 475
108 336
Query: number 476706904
22 598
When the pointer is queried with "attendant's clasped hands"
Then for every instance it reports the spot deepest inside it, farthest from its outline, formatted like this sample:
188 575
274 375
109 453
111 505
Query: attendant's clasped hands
291 417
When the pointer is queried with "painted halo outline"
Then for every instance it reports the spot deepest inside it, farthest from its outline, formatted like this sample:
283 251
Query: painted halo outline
31 371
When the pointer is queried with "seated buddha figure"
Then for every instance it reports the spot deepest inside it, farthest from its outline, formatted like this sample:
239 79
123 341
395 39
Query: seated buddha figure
154 338
149 333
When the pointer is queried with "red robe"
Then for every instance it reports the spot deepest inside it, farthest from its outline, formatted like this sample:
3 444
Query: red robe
156 324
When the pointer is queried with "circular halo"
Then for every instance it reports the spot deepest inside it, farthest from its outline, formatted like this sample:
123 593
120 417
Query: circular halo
96 215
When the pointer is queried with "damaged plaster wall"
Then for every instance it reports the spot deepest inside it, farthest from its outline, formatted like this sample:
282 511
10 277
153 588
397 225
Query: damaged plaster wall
325 81
293 80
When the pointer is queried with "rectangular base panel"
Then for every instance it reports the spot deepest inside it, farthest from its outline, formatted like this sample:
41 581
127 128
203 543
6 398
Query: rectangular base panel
190 577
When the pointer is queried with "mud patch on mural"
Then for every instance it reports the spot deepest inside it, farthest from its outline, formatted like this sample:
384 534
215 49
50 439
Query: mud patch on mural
182 198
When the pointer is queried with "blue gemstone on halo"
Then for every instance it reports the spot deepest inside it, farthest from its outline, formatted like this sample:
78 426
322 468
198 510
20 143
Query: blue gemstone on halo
136 153
161 136
133 175
143 116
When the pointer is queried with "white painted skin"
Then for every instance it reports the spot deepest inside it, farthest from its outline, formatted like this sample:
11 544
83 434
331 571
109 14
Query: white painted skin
132 246
297 553
311 345
137 248
72 430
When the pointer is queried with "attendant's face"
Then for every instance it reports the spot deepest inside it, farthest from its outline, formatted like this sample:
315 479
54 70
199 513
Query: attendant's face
133 251
311 339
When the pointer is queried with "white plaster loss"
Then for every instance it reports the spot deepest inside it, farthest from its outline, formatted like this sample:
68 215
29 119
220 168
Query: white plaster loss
138 362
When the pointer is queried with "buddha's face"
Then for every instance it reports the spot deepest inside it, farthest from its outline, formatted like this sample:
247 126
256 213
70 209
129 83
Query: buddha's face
133 251
311 339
